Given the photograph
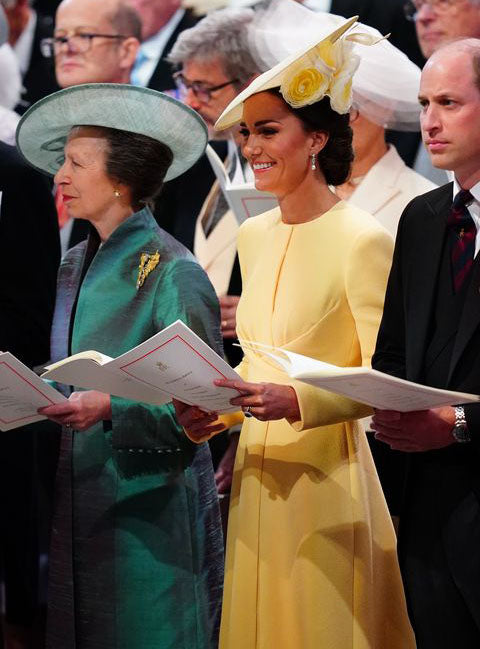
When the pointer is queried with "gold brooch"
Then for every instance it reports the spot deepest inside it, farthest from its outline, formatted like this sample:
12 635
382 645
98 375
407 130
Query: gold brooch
147 264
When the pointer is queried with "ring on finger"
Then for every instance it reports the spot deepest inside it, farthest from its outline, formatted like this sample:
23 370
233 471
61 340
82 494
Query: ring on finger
247 411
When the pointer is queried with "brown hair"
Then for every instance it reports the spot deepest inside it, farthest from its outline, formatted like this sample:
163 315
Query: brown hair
336 157
137 161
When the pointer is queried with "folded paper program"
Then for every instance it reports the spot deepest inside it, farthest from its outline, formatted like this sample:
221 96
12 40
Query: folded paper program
361 384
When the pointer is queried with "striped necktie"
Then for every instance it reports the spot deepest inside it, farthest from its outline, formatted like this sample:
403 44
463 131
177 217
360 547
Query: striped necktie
462 234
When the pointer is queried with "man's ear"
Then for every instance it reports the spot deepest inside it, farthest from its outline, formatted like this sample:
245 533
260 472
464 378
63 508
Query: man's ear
129 52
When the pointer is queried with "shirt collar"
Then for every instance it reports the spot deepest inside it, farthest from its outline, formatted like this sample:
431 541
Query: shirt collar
153 47
475 190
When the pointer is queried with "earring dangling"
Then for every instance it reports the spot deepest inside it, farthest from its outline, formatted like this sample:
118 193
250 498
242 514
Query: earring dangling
314 161
116 193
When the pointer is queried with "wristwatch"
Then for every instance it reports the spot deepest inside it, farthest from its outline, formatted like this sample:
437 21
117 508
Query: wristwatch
460 431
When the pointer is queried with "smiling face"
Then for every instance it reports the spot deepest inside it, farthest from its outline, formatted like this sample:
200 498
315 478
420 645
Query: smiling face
277 146
88 192
450 118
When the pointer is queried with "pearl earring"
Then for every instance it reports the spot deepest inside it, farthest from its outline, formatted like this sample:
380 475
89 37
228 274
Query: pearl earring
314 161
116 193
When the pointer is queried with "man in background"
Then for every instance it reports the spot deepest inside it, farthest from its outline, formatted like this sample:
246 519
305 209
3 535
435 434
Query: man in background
214 64
27 28
29 257
439 21
162 23
94 42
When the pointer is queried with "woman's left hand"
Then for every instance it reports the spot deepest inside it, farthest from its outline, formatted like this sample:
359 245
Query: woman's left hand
265 401
82 410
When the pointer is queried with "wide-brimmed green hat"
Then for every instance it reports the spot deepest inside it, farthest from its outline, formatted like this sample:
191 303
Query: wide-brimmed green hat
42 132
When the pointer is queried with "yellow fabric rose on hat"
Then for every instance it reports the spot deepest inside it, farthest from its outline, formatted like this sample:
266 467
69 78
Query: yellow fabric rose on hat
325 70
306 83
340 90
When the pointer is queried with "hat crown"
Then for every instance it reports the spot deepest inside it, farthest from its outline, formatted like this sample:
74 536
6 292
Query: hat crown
44 128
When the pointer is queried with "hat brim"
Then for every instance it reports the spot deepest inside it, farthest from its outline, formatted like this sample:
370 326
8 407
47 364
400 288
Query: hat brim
43 130
273 78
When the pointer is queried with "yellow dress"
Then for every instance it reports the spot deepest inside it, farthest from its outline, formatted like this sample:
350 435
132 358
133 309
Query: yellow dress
311 557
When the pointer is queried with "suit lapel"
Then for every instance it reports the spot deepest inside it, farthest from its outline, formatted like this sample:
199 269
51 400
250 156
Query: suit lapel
162 78
223 235
469 320
348 8
426 257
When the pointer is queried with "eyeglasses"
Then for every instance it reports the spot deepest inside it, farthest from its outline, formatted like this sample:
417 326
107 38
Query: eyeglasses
80 43
202 93
412 7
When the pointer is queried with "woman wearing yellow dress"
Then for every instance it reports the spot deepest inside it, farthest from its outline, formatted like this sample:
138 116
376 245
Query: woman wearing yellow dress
311 558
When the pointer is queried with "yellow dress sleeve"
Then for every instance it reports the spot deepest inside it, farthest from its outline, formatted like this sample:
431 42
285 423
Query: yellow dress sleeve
365 276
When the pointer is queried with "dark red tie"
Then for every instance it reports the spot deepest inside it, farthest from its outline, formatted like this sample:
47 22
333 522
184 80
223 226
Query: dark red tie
463 232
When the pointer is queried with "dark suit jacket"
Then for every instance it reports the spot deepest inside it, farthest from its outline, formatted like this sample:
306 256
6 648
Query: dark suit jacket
441 498
388 17
403 334
29 259
162 78
39 79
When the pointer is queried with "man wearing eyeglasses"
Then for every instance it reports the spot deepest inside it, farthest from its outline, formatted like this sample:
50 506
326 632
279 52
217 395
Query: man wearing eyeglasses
93 42
214 64
439 21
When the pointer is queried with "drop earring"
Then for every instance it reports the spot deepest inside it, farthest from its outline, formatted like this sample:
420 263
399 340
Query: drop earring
314 161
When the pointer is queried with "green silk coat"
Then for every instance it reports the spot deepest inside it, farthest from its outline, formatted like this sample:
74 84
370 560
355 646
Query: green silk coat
136 558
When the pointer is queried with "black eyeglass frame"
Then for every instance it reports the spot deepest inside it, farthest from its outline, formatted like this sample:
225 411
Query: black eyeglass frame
197 87
47 45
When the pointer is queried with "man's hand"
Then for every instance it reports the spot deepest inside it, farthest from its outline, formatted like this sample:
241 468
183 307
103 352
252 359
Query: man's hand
228 315
224 472
81 411
423 430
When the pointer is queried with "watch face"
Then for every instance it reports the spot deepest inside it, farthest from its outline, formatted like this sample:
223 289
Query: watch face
461 433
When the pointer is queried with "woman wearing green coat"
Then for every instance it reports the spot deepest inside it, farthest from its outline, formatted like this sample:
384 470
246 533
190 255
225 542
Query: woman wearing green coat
136 558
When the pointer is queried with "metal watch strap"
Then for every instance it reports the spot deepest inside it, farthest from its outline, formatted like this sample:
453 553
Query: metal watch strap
460 430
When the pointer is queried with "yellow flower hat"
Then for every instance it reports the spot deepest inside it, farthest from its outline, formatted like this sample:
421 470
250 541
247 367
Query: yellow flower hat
323 68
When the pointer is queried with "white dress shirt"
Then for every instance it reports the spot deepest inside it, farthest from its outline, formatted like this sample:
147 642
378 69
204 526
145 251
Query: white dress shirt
318 5
24 45
152 49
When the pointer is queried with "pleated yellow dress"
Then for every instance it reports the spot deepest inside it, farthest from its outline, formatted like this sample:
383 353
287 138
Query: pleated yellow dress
311 557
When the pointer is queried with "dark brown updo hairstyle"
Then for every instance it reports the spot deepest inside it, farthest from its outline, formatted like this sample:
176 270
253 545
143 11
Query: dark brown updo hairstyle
137 161
336 157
